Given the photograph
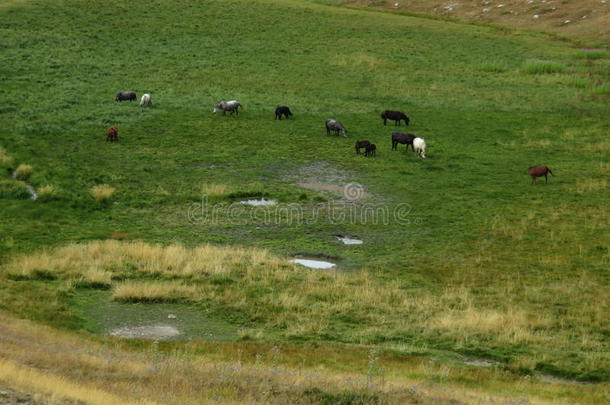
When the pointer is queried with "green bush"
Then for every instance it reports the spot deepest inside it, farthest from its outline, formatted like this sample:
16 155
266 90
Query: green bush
14 189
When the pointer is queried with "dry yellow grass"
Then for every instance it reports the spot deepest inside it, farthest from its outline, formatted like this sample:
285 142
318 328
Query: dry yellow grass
46 192
5 159
215 190
514 309
23 172
61 367
102 192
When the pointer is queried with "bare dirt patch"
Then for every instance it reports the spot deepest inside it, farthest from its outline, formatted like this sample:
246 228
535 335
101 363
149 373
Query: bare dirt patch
155 332
320 176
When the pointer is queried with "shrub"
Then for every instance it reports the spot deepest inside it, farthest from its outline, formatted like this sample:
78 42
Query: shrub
46 193
541 67
102 193
23 172
14 189
5 159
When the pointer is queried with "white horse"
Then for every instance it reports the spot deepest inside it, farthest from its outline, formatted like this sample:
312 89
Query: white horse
145 101
420 147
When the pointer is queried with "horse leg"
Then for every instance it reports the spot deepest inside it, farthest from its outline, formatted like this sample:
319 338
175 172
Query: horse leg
545 178
384 121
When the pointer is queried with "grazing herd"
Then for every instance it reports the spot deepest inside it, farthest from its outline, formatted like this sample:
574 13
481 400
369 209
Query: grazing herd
417 144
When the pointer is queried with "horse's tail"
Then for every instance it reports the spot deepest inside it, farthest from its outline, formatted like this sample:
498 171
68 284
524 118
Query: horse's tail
550 171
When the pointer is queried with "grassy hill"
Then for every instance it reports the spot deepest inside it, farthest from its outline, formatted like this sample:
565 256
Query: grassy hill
463 259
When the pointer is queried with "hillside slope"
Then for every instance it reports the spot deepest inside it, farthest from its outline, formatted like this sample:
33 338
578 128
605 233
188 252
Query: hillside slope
585 20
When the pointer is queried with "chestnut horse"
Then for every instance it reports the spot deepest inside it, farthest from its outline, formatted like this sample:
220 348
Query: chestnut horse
360 145
112 135
539 171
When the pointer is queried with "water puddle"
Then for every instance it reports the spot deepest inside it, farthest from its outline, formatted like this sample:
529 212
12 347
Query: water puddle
33 194
258 203
349 241
156 332
314 264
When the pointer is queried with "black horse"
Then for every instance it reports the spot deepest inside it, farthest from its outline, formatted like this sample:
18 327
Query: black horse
282 110
125 95
396 116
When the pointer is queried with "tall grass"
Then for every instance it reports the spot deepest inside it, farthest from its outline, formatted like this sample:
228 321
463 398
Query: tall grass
215 190
62 368
46 193
23 172
268 293
14 189
102 193
542 67
492 67
5 159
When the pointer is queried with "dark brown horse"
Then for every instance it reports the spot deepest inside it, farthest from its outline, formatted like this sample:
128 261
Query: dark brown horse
361 145
370 150
539 171
398 137
113 134
395 116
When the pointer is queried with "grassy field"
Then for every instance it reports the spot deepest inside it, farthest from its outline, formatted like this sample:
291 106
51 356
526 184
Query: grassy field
462 258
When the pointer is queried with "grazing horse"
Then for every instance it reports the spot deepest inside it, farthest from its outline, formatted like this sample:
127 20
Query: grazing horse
370 150
224 106
125 95
282 110
113 134
334 125
398 137
396 116
420 147
361 145
145 101
539 171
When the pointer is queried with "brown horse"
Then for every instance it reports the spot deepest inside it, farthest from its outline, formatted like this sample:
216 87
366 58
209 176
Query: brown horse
405 139
361 145
113 134
539 171
370 150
